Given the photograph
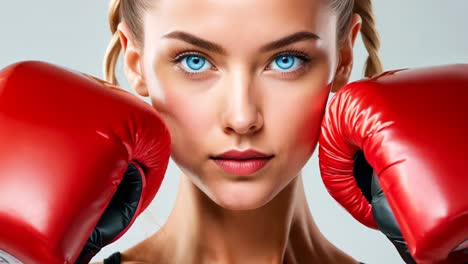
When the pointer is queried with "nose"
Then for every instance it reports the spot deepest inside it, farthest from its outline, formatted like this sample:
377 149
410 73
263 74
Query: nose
242 107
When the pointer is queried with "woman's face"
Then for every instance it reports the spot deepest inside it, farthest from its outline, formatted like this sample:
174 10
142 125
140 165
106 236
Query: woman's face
238 75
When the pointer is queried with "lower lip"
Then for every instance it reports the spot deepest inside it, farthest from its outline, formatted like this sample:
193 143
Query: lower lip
241 167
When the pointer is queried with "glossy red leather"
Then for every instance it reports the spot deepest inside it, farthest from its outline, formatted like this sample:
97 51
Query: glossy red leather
66 140
412 126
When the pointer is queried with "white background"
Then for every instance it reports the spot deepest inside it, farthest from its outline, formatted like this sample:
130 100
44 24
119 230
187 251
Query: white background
75 34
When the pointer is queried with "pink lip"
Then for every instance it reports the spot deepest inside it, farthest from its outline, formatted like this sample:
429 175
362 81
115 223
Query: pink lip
238 155
242 162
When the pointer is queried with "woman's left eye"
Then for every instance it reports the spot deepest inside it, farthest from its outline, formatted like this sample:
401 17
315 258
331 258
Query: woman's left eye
195 63
286 63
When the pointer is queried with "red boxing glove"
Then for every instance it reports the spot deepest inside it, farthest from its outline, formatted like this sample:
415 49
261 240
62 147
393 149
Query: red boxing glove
411 127
79 161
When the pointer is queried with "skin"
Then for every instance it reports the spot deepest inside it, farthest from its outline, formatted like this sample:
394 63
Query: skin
242 100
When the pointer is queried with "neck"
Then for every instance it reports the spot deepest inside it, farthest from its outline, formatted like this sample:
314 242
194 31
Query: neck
283 231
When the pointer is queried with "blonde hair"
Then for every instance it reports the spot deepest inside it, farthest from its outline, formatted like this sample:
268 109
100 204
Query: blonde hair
370 37
131 12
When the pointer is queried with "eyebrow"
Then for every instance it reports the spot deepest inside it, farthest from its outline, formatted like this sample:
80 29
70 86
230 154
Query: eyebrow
208 45
290 39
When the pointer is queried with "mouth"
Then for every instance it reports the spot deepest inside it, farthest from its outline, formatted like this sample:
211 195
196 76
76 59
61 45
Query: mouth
242 163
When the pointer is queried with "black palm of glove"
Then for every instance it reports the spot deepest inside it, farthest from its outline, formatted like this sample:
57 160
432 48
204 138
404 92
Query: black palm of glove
383 215
386 221
117 215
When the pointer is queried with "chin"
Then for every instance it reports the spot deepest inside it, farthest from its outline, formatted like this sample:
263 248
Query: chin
242 196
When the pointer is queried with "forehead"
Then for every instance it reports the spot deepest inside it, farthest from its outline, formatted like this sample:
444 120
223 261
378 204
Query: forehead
236 21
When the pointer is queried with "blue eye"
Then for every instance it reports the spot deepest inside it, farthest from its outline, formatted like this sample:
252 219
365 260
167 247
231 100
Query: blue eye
286 63
195 63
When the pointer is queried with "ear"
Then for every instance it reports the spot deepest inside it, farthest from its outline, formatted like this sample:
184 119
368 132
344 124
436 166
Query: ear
345 64
132 59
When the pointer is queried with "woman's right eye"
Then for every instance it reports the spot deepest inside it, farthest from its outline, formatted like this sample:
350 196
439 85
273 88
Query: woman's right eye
194 63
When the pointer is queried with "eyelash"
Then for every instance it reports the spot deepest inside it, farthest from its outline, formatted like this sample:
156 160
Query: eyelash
180 55
306 60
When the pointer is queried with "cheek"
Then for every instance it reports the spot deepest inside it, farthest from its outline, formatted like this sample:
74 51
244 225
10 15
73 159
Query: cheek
307 117
189 116
296 118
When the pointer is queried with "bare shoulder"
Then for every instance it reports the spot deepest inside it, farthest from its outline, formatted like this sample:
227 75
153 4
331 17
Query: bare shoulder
126 259
145 252
123 262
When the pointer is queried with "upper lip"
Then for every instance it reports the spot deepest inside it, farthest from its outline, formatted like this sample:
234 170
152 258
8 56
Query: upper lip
245 154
